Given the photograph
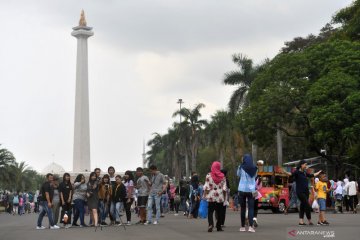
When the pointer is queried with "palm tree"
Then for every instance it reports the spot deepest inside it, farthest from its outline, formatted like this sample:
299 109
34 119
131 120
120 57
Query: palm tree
19 171
183 133
156 146
219 133
192 125
172 153
243 79
7 160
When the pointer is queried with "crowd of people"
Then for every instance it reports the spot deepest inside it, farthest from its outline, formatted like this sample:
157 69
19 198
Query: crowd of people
19 203
106 199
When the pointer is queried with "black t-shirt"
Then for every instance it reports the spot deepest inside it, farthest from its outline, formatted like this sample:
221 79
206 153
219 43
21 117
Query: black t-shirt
301 179
46 187
65 189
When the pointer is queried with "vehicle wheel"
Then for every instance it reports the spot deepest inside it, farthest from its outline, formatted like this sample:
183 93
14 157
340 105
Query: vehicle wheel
282 206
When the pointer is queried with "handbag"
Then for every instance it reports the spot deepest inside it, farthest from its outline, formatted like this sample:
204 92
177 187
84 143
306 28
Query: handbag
203 208
315 205
177 198
255 194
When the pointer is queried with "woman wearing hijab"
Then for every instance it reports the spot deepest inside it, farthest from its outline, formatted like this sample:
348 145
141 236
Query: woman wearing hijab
302 190
215 193
247 191
338 196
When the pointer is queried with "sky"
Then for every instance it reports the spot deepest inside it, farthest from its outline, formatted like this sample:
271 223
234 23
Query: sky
143 57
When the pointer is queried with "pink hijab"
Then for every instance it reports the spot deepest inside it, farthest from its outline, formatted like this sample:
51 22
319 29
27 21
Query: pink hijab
216 174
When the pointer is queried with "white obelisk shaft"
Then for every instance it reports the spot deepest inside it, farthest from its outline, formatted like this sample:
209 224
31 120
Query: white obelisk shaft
81 160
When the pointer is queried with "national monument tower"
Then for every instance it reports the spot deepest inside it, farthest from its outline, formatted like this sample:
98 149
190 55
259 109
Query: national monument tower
81 158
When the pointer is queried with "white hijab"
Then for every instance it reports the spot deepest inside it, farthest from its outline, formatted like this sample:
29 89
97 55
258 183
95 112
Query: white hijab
339 188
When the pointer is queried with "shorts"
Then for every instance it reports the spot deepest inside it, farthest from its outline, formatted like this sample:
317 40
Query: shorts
142 201
322 204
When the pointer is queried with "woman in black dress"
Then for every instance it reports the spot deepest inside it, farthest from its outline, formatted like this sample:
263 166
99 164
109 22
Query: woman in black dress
93 198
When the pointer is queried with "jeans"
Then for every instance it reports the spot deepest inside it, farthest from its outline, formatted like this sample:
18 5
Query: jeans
128 209
153 197
45 210
304 205
165 203
195 203
104 210
256 207
79 206
115 210
243 196
183 205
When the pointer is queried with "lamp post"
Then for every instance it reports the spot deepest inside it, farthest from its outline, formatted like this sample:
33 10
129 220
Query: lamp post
180 101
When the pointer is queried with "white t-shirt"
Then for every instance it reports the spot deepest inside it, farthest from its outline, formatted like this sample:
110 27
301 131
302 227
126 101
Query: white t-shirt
351 188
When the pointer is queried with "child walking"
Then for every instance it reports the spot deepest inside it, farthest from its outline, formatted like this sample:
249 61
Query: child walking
322 189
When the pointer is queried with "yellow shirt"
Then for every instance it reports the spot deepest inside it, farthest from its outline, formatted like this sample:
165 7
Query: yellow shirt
321 189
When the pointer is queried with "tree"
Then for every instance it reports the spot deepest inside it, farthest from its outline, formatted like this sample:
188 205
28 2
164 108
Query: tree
7 159
289 92
241 78
349 18
19 171
192 125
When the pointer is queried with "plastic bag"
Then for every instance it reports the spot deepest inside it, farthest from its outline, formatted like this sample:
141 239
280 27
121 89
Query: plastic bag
203 208
315 205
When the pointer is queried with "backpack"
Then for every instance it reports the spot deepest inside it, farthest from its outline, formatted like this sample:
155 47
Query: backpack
31 198
16 200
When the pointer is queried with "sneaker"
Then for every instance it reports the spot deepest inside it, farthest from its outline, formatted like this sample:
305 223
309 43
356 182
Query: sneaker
255 223
117 223
75 225
68 226
251 229
242 229
128 223
103 224
84 226
147 223
40 228
54 227
320 224
156 223
176 214
325 222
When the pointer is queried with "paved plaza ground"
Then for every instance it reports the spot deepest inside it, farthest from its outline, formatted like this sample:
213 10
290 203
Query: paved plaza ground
271 226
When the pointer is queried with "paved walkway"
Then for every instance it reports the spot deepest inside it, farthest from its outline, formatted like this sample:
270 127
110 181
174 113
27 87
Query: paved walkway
271 226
